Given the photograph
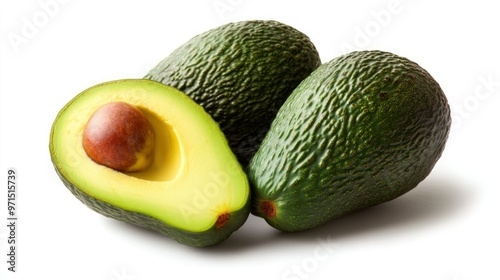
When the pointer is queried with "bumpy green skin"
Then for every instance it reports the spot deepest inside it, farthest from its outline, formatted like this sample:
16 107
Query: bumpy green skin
362 129
210 237
240 73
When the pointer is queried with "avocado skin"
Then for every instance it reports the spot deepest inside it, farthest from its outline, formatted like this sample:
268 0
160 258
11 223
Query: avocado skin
207 238
240 73
361 130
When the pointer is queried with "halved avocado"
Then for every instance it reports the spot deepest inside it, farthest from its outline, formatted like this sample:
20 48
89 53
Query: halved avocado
194 191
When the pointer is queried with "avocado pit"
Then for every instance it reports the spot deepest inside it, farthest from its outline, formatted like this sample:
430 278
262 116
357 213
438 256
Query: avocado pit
118 135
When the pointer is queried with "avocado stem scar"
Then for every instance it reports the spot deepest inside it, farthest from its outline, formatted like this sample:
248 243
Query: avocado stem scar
268 208
222 220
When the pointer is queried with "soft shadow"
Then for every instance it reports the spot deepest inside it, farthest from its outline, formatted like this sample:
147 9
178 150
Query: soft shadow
253 234
140 233
435 200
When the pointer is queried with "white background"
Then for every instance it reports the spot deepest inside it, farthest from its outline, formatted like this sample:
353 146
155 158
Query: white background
445 229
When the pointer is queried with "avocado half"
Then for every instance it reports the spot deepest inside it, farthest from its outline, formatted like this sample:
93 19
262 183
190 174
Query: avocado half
195 191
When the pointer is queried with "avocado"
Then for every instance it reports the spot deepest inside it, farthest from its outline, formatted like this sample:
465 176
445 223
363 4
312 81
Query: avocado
240 73
361 130
194 190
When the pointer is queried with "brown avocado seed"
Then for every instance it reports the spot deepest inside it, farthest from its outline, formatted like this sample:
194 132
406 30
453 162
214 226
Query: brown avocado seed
118 135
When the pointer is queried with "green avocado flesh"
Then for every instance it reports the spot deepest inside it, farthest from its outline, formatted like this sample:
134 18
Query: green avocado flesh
195 190
240 73
362 129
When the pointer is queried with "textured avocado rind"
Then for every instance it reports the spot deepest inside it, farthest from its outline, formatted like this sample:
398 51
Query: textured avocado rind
240 73
362 129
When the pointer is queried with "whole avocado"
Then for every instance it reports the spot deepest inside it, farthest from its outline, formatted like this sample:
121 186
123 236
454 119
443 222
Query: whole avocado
361 130
240 73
